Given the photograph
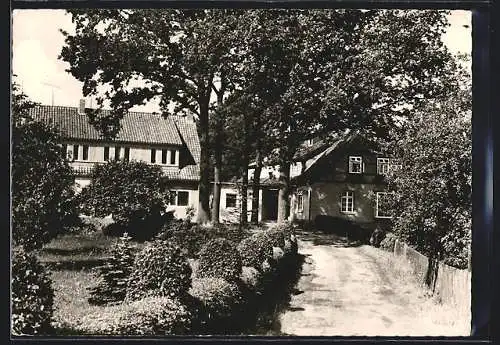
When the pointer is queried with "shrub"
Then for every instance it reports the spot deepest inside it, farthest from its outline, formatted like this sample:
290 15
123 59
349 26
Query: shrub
131 192
388 242
32 295
219 297
219 258
148 316
255 249
276 237
377 236
251 277
160 269
113 276
278 253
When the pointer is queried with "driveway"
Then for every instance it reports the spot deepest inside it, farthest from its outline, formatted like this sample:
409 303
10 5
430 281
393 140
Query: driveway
359 291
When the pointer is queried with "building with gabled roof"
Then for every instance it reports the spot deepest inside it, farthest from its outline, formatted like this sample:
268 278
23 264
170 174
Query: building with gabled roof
171 142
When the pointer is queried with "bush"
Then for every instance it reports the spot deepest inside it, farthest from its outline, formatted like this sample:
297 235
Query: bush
388 242
251 277
219 297
219 258
148 316
254 250
130 191
377 236
113 276
32 295
276 237
191 237
160 269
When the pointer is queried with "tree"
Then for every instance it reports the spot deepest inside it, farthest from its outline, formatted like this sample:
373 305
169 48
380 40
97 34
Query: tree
43 200
432 192
177 55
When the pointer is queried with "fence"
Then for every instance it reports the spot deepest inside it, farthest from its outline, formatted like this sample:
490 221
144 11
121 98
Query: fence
452 285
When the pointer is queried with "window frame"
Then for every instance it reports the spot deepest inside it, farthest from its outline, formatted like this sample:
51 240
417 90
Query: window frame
117 152
176 197
76 151
235 200
172 156
381 162
345 196
377 207
164 155
106 154
152 158
300 202
126 154
352 160
85 152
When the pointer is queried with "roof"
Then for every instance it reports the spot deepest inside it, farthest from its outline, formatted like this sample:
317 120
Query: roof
136 127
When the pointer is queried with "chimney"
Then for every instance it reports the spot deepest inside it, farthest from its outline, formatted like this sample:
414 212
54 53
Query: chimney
81 106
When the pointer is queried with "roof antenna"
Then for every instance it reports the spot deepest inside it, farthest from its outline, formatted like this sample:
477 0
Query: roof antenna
52 90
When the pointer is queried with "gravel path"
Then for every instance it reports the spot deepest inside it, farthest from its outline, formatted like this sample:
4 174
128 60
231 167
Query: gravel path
354 291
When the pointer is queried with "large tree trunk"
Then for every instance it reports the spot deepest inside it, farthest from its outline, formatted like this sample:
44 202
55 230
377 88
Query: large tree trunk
244 197
256 188
218 155
204 185
283 195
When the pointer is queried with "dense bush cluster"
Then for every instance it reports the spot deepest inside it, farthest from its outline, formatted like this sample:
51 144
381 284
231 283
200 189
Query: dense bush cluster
113 276
32 295
160 269
255 250
191 237
219 258
148 316
131 192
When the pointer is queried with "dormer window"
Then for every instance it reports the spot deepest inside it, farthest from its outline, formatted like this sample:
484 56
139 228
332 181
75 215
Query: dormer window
355 164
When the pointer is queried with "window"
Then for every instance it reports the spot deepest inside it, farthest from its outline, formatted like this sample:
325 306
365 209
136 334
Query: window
309 142
382 209
300 202
85 152
230 200
182 198
347 202
106 153
179 198
382 166
127 154
75 152
172 157
164 156
355 165
64 150
117 152
153 156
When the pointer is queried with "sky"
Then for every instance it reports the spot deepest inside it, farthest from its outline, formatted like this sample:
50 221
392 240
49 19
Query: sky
37 42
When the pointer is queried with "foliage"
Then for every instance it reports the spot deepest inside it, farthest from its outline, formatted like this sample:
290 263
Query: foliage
255 249
191 237
388 242
219 297
112 277
219 258
160 269
148 316
432 200
251 277
130 191
32 295
43 202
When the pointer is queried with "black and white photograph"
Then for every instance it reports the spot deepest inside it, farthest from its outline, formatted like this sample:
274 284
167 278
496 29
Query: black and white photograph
234 172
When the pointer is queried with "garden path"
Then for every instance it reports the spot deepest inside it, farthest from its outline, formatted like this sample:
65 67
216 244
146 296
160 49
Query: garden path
356 291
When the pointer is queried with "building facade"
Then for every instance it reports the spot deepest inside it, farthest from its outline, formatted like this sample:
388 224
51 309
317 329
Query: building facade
171 143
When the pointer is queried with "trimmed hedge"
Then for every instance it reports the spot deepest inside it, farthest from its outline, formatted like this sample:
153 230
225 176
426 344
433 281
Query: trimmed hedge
160 269
32 295
219 297
148 316
254 250
219 258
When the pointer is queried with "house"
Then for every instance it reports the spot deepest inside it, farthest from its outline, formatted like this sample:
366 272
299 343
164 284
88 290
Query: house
172 143
337 176
342 178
